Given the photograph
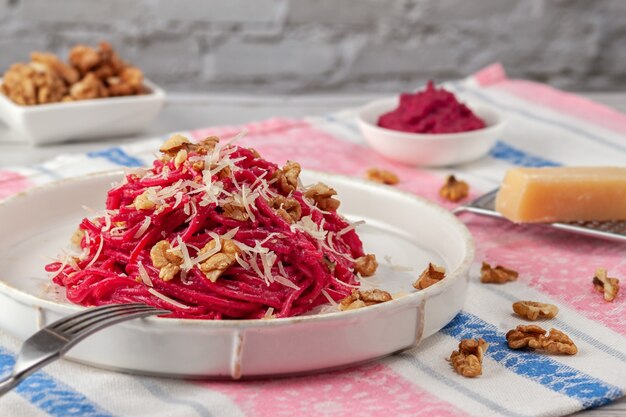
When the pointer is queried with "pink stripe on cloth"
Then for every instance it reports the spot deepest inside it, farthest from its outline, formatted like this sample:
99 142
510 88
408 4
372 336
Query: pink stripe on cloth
492 74
535 93
12 183
564 272
367 391
281 139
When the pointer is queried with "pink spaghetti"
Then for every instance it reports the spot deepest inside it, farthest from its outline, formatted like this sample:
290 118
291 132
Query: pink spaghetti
215 232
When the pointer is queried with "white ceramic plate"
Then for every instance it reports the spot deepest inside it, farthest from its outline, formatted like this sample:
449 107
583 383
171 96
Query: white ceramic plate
406 228
431 150
84 119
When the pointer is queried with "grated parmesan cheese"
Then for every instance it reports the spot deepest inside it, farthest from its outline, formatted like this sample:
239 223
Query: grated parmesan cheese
350 227
329 298
143 274
286 282
187 263
167 299
142 229
97 254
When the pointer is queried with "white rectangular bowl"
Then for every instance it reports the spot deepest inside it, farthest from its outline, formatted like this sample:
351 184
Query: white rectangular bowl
84 119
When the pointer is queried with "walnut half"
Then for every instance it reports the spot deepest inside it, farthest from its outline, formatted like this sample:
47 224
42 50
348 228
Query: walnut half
167 259
497 275
606 285
430 276
382 176
534 337
468 360
322 196
533 310
359 299
453 189
287 208
366 265
214 266
287 178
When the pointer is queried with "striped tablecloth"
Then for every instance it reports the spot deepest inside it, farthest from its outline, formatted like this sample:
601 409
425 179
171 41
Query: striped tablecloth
546 127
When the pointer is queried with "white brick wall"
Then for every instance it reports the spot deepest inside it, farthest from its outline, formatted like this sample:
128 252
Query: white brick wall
294 46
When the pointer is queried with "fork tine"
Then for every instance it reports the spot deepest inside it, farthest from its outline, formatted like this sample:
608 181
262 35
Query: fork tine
72 325
89 312
103 322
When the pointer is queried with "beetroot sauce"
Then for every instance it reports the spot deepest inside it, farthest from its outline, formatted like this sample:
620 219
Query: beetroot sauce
431 111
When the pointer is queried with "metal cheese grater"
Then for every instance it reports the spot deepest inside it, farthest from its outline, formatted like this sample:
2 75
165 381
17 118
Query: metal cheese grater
612 230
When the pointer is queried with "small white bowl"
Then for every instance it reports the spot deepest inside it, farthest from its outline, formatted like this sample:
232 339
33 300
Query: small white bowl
85 119
430 150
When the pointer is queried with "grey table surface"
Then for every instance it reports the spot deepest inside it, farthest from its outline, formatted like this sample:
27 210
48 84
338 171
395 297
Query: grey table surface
188 111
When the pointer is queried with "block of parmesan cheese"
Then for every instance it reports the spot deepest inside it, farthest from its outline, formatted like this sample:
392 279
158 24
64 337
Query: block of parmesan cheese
563 194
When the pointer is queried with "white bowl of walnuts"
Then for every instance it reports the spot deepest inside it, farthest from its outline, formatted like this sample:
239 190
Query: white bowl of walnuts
94 95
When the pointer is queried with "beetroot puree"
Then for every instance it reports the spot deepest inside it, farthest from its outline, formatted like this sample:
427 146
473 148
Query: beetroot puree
431 111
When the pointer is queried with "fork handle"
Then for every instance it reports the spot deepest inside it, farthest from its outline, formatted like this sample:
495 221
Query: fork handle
8 384
20 373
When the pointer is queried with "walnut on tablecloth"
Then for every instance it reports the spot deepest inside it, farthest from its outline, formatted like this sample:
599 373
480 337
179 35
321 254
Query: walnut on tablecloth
497 275
382 176
468 360
454 190
534 337
605 284
533 310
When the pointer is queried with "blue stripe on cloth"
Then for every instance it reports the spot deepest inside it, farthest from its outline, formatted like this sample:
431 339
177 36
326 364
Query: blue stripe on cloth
545 120
460 388
542 369
45 171
117 156
164 396
50 395
515 156
567 328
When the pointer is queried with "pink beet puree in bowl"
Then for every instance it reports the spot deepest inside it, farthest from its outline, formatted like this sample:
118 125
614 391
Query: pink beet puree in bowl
430 128
431 110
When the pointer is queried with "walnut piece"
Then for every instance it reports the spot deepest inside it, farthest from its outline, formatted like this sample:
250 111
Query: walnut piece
453 189
167 259
534 337
430 276
214 266
360 299
605 284
366 265
468 360
382 176
84 58
69 74
34 83
143 201
77 237
533 310
287 178
235 211
181 157
497 275
322 195
174 144
287 208
88 88
128 82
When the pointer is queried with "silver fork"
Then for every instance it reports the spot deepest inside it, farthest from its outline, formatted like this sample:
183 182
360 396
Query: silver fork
53 341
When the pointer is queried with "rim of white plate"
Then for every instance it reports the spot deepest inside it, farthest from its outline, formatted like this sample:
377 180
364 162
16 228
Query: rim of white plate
411 298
